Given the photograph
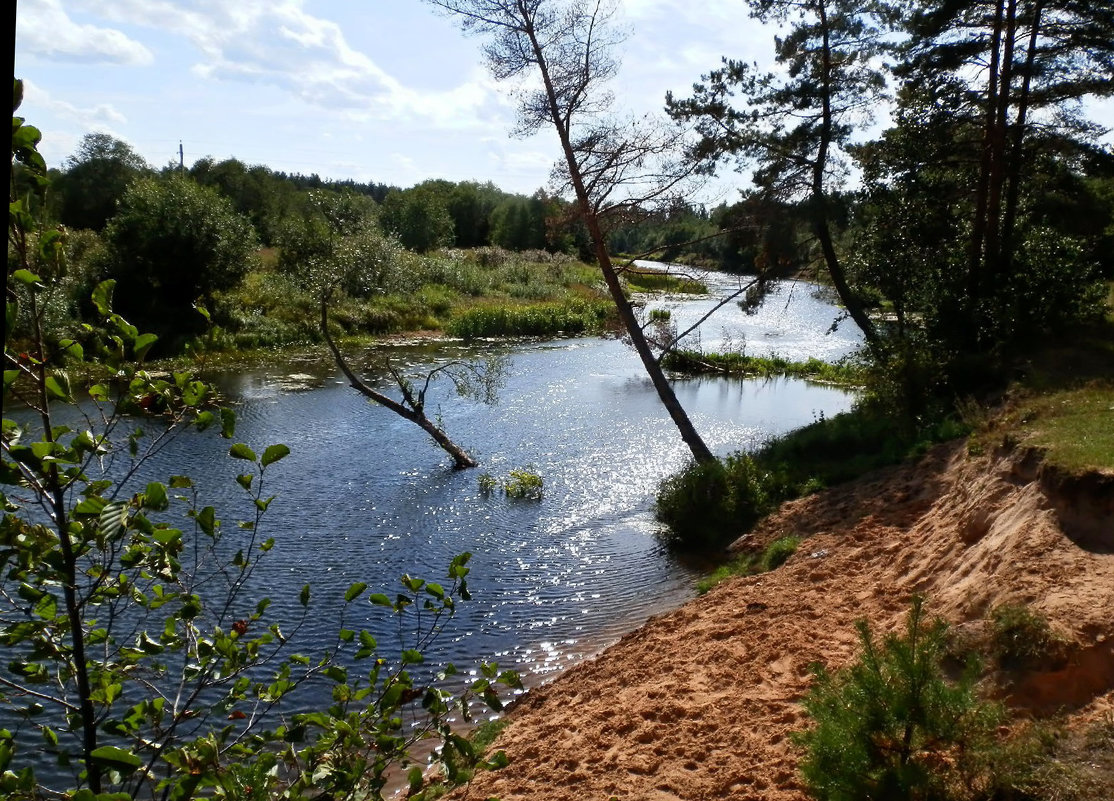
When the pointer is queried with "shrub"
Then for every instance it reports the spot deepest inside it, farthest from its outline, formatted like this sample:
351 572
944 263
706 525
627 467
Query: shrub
891 726
706 505
778 551
1021 638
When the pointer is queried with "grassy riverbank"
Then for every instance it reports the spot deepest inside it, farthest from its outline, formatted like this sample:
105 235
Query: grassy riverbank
486 292
690 362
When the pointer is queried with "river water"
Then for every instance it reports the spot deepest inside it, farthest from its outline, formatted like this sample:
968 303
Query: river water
364 496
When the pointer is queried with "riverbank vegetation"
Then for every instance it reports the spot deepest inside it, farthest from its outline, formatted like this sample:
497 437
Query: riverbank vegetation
691 362
971 255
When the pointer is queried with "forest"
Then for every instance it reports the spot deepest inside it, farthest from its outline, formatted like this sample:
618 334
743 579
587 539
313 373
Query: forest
929 162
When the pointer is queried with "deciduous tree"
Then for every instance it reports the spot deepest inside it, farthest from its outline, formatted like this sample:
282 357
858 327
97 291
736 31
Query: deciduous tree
563 49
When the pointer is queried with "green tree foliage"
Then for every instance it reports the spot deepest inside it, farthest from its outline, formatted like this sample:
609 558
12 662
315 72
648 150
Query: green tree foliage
792 126
140 659
256 192
519 224
172 243
335 243
95 179
470 205
892 727
419 217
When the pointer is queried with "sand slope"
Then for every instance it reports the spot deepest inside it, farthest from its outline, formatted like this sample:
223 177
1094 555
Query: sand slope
699 703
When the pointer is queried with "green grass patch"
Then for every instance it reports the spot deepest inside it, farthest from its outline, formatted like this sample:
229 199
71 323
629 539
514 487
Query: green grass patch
1075 428
692 362
641 279
573 316
749 564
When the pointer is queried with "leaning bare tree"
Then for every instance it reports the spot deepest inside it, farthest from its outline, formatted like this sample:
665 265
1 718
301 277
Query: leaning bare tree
468 378
341 251
567 45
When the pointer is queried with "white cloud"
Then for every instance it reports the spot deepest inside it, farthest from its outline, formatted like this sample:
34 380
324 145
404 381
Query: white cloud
279 43
99 117
45 29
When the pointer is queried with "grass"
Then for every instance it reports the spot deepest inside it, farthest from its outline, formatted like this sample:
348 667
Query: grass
643 279
739 364
1074 428
1021 638
773 557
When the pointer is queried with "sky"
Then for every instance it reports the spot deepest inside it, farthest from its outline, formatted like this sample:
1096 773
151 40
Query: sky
384 91
374 90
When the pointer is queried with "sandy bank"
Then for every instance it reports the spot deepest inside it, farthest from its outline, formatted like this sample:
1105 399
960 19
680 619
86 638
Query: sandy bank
699 702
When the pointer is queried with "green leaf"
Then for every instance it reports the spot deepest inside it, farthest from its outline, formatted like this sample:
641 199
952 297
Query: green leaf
274 453
26 277
116 759
102 297
355 591
59 388
244 480
303 597
93 505
143 344
227 423
113 517
379 599
72 349
180 482
241 451
207 520
155 497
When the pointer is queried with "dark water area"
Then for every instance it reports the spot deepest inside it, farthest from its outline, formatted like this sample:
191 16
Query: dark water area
365 496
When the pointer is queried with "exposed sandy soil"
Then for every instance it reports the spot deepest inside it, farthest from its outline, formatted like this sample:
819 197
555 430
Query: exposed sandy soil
699 702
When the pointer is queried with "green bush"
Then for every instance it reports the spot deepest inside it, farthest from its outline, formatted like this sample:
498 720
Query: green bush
707 505
778 551
1021 638
892 727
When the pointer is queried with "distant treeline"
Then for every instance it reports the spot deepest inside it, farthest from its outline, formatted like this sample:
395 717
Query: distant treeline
746 236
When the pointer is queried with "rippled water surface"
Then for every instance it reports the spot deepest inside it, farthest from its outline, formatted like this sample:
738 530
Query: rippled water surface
366 496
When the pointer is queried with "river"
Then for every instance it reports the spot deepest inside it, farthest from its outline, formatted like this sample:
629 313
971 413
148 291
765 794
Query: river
364 496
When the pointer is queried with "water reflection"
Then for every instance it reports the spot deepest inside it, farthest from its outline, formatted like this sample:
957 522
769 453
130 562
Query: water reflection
365 496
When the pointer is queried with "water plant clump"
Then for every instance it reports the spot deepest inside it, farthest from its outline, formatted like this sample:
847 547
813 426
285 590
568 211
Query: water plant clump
523 484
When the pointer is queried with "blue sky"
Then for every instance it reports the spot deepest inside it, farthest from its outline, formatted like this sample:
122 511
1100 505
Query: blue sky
379 90
375 90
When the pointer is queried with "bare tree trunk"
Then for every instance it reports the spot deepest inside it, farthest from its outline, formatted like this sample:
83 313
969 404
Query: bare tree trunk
1017 145
700 451
998 172
412 412
975 282
819 205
